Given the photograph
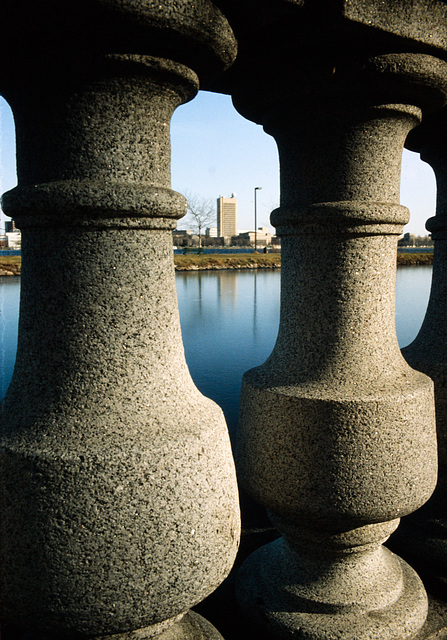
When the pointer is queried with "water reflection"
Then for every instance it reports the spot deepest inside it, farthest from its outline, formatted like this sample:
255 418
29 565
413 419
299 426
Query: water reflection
229 324
412 293
9 315
227 328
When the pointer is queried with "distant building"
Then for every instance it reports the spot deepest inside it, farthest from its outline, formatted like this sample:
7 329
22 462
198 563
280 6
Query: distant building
227 217
14 239
263 236
182 237
183 232
211 232
412 240
407 240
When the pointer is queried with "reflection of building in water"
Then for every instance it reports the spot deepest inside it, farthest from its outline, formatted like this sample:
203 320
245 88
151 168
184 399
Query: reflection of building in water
227 287
227 217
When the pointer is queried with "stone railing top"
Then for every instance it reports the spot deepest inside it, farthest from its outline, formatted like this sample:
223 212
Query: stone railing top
272 32
432 132
196 33
418 20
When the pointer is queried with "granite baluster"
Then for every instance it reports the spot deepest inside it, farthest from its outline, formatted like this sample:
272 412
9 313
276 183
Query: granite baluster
337 433
118 492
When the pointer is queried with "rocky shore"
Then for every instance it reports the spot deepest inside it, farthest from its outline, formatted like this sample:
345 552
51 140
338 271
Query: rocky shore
10 268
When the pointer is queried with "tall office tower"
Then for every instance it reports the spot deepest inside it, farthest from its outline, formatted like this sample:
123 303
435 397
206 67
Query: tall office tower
227 216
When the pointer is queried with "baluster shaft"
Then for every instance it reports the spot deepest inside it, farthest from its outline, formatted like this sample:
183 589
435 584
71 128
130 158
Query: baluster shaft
336 434
119 500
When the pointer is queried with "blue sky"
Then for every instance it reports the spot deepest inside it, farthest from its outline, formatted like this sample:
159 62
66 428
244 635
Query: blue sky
217 152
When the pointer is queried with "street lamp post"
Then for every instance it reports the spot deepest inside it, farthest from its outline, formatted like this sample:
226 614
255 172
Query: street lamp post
256 218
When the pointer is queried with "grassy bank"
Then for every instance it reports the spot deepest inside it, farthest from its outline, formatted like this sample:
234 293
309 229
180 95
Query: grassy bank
194 262
10 265
410 259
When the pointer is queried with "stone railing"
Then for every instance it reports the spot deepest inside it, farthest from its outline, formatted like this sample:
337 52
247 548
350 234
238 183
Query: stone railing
119 507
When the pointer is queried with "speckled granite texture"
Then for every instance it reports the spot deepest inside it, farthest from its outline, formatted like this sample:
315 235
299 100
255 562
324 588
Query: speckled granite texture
117 496
336 435
118 500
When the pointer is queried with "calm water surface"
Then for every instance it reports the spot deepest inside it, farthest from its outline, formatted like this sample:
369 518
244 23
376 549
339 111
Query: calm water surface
9 316
229 324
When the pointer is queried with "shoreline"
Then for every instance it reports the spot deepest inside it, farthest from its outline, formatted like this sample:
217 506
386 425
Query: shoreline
11 265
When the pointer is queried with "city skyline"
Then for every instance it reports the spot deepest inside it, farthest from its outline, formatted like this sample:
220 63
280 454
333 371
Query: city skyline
215 151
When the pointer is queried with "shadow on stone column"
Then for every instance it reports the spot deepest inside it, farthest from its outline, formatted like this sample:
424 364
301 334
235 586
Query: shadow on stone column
337 435
119 506
423 535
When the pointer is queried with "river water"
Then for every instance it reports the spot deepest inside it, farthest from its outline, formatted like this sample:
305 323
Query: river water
229 324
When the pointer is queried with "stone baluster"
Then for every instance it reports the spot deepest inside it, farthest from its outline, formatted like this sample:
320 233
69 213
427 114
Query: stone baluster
337 435
423 534
118 494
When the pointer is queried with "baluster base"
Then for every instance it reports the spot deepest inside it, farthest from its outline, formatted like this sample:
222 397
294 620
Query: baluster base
422 539
190 626
278 592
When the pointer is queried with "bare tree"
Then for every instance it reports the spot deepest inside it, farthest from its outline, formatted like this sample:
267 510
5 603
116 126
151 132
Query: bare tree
201 213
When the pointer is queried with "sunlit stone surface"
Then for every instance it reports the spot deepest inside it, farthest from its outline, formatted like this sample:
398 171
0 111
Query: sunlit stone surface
337 435
118 493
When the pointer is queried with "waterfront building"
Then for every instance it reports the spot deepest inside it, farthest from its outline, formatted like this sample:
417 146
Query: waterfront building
182 237
412 240
227 216
14 239
263 236
211 232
